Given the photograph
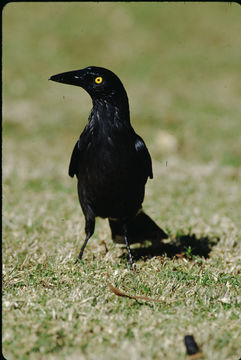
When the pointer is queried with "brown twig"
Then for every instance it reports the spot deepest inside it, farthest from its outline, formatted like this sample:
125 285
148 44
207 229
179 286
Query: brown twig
135 297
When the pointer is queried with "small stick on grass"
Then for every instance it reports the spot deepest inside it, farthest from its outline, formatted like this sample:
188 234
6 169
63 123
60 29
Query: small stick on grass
135 297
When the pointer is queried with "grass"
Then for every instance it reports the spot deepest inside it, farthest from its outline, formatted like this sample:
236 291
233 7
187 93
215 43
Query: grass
179 63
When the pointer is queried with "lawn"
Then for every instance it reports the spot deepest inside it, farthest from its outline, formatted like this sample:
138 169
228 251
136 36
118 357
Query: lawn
180 64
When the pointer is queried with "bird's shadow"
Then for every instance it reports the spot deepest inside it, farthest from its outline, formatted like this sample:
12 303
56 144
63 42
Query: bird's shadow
179 246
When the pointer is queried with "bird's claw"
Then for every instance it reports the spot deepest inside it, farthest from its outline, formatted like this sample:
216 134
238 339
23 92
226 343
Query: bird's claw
77 260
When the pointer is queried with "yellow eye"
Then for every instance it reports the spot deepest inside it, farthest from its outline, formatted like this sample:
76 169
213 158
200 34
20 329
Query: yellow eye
98 80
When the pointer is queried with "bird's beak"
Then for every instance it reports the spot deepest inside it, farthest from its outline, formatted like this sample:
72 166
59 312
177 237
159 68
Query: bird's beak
69 77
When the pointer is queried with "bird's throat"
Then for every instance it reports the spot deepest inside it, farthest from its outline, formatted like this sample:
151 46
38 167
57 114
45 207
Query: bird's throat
105 114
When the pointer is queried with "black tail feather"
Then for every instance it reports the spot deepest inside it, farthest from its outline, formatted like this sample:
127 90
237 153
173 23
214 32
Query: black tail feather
141 228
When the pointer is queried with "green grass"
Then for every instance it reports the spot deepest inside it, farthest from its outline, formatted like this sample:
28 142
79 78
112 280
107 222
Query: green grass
180 65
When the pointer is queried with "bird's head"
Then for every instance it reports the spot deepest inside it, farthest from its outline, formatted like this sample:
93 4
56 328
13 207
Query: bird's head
99 82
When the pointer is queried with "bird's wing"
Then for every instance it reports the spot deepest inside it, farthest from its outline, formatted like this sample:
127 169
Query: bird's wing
143 156
76 154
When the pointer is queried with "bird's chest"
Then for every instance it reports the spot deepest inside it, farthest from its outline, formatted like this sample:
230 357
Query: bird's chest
109 157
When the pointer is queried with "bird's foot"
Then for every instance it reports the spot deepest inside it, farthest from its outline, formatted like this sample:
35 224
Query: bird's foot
78 259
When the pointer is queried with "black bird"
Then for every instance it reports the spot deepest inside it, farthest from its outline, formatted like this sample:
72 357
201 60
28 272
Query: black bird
110 161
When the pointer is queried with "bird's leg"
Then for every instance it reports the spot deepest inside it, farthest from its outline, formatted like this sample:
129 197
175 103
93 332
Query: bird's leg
89 230
82 249
127 245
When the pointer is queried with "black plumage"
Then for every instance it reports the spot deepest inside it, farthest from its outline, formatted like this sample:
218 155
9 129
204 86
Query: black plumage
110 161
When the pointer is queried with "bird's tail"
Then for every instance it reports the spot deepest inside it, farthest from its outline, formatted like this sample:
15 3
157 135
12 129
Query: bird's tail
141 228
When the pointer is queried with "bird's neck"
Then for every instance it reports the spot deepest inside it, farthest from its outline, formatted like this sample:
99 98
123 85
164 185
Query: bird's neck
109 113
